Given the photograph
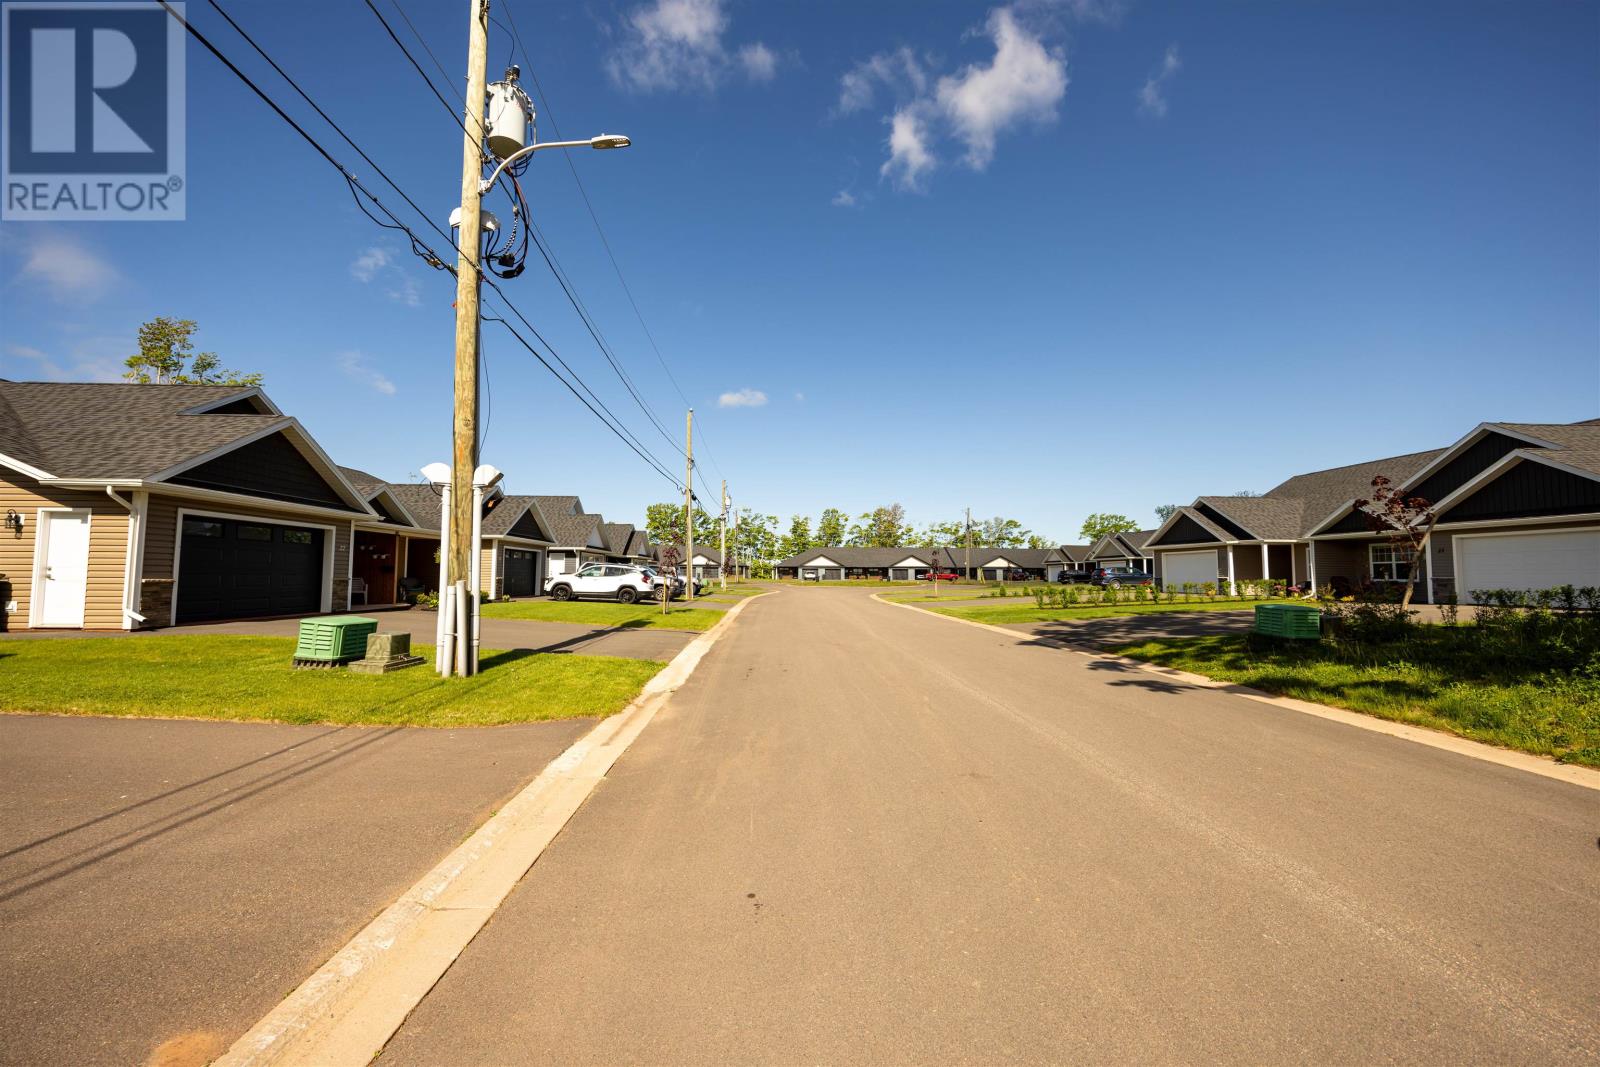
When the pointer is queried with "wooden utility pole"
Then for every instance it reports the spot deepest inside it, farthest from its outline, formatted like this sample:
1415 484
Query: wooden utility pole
969 542
688 509
722 536
469 240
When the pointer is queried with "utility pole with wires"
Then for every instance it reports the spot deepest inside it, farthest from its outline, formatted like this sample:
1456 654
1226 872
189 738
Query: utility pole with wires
722 536
688 508
469 238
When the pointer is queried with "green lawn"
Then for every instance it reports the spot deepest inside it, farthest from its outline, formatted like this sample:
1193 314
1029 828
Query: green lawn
213 676
1554 714
606 613
1014 610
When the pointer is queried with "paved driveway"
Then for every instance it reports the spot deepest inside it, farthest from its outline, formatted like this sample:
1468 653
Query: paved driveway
163 878
861 834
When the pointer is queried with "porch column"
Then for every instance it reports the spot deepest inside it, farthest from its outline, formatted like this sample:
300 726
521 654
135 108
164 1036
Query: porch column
1266 566
1230 568
1427 572
1311 565
1294 566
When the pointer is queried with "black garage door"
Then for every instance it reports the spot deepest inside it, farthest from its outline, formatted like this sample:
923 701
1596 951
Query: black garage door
234 569
521 572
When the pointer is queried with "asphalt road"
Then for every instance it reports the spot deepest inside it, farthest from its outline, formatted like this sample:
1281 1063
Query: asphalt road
172 880
864 835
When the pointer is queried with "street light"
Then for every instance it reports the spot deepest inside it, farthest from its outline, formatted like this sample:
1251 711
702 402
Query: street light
603 141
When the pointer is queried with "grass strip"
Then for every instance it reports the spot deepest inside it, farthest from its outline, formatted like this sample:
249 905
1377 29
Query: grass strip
1550 714
606 614
1003 612
214 676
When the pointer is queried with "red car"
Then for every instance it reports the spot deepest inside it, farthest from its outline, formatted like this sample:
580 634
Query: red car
939 576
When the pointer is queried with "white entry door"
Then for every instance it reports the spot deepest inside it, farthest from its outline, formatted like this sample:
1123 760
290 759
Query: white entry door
63 576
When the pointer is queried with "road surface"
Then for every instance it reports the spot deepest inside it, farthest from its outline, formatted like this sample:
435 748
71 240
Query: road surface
867 835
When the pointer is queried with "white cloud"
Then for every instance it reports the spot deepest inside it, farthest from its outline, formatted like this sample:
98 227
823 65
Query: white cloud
909 154
744 398
799 398
678 44
844 198
1152 97
355 367
900 71
759 62
369 263
1024 82
407 291
66 269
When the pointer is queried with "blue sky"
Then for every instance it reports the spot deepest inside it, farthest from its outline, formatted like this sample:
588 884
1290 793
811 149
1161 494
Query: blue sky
1038 259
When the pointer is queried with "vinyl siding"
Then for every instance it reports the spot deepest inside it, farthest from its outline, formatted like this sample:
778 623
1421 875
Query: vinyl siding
1345 559
108 548
271 467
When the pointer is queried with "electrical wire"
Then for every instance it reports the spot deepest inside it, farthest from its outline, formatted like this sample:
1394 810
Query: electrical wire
356 185
451 111
423 41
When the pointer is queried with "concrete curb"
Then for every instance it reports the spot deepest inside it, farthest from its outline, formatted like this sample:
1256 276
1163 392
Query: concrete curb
1546 768
353 1004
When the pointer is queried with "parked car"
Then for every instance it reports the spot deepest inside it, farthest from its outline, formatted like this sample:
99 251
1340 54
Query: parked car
939 576
606 581
1077 577
1119 576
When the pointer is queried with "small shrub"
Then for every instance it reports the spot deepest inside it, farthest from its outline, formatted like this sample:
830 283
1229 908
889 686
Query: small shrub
427 601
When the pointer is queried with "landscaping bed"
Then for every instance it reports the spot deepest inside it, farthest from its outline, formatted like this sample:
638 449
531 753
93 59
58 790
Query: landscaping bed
227 677
606 613
1527 680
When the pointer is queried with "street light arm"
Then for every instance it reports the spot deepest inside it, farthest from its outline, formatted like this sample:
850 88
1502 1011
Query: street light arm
605 140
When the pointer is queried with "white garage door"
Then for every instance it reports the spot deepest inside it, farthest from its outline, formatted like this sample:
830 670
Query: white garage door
1178 568
1527 561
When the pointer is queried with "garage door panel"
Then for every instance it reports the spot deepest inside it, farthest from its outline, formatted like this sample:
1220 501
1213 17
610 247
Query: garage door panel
1180 568
233 569
1527 561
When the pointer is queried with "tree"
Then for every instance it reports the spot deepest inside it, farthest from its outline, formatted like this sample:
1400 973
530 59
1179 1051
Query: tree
830 528
664 524
1100 524
1405 521
1000 532
798 539
883 527
1164 512
753 538
165 346
1040 541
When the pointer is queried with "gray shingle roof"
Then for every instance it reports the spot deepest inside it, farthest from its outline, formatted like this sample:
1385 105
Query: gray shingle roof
1579 442
1321 491
116 430
617 536
507 514
421 501
1267 517
639 544
571 531
860 557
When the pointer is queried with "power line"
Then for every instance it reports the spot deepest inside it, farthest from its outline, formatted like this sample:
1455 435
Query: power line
423 41
451 111
355 184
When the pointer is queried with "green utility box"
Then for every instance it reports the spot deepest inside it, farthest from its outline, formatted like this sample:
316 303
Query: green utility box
333 640
1288 620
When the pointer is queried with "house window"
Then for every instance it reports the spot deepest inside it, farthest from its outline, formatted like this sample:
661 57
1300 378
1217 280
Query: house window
1389 563
297 537
201 528
254 533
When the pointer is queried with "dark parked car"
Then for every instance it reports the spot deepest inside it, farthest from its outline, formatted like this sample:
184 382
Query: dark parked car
1077 577
1118 576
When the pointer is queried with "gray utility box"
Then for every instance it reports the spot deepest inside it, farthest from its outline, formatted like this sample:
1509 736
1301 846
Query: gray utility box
385 653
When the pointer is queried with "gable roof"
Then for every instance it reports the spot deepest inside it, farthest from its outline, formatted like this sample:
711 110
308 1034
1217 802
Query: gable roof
421 501
1074 553
1198 518
573 531
507 513
111 431
616 536
639 545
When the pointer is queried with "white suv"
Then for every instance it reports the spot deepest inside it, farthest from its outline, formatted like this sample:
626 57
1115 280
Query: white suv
609 581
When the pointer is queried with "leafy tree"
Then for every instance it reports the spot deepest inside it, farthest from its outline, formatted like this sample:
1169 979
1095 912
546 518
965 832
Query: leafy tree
664 523
798 539
1164 512
938 534
883 527
830 528
1247 492
752 538
166 356
1100 524
1040 541
1000 532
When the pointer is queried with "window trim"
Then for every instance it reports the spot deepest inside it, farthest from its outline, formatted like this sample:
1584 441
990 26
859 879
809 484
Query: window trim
1406 557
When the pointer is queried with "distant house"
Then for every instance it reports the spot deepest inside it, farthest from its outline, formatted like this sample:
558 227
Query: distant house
133 506
707 561
577 536
1122 550
907 564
